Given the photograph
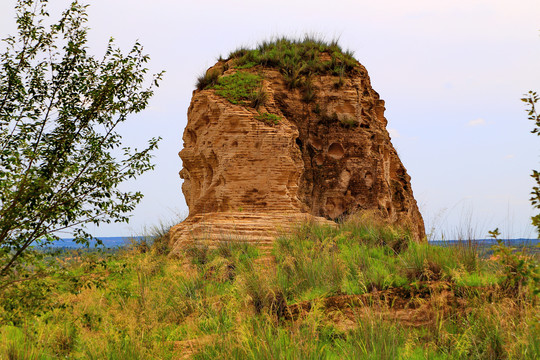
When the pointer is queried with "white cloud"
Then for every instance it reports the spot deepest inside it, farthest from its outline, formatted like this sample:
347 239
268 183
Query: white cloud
509 156
477 122
394 134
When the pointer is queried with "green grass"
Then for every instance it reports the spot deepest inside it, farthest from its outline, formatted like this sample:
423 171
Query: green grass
240 88
223 302
359 257
269 119
298 60
262 339
297 57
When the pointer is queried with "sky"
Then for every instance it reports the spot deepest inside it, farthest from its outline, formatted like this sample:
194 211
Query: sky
451 72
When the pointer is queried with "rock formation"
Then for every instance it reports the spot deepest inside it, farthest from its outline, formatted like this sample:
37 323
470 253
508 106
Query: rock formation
267 145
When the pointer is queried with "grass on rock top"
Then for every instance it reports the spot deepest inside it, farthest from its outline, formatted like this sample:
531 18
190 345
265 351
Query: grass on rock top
297 60
297 57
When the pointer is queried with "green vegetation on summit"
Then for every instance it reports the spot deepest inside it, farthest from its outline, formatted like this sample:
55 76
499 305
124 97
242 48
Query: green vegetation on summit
298 60
297 57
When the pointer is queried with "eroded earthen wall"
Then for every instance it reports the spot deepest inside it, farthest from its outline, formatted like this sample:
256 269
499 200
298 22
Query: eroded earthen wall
328 157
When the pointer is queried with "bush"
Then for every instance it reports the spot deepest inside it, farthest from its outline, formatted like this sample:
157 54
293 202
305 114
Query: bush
519 268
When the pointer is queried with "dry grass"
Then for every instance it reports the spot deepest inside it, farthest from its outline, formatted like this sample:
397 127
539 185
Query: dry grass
359 290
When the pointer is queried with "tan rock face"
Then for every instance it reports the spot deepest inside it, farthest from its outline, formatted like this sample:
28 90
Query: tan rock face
232 161
325 158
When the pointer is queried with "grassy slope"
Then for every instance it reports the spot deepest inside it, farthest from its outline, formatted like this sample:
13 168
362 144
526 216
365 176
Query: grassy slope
357 291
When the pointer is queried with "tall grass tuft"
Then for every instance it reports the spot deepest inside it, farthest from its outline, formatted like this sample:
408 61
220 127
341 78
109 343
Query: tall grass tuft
298 59
208 79
259 98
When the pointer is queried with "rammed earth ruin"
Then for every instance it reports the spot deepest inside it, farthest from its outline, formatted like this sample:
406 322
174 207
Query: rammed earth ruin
268 144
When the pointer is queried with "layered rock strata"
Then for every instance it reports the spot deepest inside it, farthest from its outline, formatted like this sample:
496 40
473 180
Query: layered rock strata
248 172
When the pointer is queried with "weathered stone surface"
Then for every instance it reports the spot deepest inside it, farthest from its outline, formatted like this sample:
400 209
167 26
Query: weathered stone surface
324 159
258 228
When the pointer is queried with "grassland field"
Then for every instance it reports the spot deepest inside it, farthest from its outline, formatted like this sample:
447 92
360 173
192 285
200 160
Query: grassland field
362 290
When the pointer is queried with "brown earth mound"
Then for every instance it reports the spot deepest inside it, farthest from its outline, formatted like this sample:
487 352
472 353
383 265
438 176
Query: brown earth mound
316 151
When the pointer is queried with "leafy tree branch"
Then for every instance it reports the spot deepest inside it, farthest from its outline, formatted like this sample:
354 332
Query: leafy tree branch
531 98
61 159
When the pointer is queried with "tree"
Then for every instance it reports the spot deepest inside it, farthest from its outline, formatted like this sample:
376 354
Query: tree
531 98
61 159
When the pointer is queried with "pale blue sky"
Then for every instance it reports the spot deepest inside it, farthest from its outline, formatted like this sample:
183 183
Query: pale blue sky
451 72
